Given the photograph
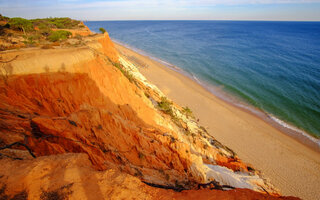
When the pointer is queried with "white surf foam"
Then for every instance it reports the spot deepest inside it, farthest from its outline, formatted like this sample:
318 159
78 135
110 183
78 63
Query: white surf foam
295 129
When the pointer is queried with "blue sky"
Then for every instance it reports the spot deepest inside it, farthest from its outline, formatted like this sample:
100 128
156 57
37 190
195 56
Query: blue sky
296 10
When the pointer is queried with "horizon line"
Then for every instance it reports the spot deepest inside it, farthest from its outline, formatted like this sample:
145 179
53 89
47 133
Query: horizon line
240 20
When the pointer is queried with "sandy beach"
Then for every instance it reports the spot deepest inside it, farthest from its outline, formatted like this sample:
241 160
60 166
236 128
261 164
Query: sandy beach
289 165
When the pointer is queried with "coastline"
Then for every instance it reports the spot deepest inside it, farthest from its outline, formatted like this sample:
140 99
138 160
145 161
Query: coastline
286 128
291 166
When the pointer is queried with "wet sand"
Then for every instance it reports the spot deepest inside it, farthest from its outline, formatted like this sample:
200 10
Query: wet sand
290 165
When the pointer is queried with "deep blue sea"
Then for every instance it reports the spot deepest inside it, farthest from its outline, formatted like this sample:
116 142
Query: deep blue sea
273 66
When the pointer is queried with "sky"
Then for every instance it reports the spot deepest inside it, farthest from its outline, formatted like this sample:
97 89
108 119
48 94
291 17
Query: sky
272 10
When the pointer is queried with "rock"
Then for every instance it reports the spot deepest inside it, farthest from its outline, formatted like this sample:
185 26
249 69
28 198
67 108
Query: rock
71 176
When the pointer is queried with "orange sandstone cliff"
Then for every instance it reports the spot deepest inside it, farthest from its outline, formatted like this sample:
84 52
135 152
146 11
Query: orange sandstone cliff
83 123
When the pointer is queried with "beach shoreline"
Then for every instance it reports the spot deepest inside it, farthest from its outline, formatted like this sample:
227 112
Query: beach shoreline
285 160
301 136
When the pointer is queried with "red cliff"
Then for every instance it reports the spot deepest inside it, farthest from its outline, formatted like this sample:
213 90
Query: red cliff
95 126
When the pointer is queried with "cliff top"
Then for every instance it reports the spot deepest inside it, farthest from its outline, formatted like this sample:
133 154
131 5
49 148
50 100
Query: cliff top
46 33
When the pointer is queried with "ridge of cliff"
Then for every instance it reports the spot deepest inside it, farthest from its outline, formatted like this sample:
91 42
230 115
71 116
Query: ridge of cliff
89 101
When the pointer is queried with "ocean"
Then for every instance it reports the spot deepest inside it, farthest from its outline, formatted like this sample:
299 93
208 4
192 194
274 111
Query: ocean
271 66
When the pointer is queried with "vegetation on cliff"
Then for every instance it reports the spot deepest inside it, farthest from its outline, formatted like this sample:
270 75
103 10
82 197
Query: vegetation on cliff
42 24
57 23
102 30
59 35
20 24
19 32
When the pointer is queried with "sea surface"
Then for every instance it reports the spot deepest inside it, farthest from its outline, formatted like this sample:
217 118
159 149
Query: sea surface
272 66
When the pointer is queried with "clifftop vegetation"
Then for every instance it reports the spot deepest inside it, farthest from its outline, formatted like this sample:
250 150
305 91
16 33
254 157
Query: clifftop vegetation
58 23
19 32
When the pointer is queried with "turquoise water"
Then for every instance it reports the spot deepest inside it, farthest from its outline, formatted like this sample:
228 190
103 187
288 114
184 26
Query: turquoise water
273 66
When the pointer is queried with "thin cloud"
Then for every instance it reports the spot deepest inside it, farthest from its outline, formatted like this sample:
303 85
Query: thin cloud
149 3
178 3
164 9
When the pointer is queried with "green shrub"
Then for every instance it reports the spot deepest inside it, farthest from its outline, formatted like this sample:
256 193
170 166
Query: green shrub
186 110
62 22
31 40
44 26
165 105
59 35
45 32
21 24
124 72
102 30
41 23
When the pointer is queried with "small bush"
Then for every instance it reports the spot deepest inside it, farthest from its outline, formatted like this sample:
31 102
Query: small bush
186 110
124 72
42 24
21 24
57 22
59 35
63 22
44 29
102 30
31 40
165 105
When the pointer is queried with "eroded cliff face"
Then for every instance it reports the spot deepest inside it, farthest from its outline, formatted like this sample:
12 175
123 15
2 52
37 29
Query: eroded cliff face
70 176
91 101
